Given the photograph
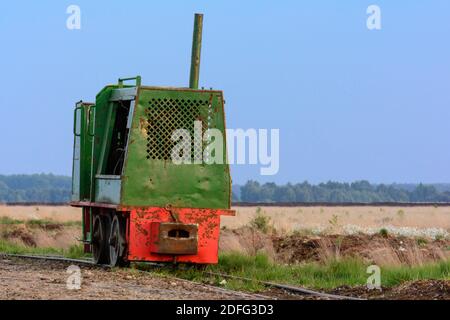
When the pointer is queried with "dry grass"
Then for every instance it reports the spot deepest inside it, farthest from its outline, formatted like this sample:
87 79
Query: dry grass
385 256
329 251
284 219
336 219
251 231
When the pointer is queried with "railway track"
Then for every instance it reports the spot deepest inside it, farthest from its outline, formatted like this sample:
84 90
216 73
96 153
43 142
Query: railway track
292 289
287 288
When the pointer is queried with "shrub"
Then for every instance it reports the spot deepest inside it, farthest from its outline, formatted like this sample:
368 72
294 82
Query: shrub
260 222
384 233
421 241
334 221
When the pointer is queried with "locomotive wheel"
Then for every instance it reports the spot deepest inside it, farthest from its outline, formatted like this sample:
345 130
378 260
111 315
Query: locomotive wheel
117 242
99 240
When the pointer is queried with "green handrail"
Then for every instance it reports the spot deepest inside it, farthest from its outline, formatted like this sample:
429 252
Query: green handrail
137 78
78 107
91 129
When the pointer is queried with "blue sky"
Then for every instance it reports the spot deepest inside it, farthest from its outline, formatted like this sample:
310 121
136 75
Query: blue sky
350 103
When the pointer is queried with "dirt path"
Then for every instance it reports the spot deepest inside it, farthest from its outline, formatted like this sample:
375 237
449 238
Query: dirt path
29 279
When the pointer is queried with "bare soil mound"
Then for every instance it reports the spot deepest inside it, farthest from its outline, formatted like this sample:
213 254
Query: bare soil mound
382 250
378 249
52 235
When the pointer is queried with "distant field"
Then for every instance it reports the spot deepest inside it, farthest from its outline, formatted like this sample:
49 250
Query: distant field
289 219
345 219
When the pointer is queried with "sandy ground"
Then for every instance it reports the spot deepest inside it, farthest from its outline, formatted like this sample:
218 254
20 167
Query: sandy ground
286 219
36 280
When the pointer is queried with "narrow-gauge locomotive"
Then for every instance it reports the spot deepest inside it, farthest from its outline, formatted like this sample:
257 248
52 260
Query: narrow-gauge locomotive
138 204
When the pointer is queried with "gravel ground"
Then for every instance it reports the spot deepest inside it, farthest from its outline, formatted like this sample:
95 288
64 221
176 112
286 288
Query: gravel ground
22 279
411 290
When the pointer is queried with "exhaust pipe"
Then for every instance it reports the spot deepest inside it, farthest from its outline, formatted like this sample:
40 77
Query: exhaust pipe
196 51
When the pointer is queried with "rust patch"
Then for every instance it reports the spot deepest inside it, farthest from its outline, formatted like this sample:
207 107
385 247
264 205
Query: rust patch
143 127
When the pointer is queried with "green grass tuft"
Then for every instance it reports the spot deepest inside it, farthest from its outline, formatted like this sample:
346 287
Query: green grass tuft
74 252
12 248
384 232
38 222
335 273
9 221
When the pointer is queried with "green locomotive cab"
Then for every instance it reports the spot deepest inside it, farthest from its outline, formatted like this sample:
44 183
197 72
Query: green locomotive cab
151 163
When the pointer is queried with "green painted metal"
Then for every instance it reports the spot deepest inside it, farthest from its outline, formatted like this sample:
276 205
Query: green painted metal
82 155
125 142
107 137
138 80
107 189
77 161
196 51
102 114
153 182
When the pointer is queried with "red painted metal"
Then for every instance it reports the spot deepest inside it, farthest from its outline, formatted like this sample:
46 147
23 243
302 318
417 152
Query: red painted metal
141 244
86 228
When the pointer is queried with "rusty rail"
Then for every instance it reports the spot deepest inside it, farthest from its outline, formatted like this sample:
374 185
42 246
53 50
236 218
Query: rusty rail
297 290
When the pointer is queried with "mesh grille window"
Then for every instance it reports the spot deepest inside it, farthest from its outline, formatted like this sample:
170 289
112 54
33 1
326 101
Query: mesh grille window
165 115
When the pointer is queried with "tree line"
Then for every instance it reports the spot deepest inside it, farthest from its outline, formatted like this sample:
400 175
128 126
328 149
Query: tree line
45 188
336 192
49 188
